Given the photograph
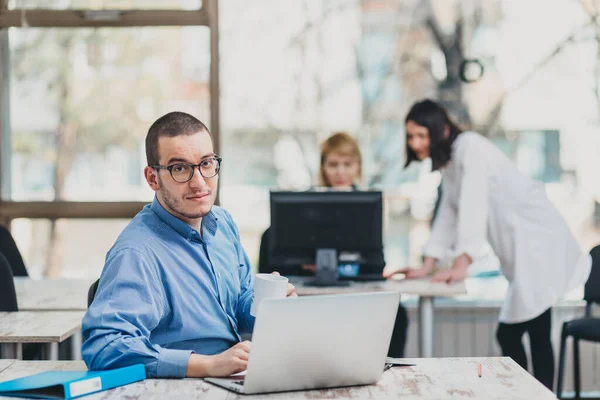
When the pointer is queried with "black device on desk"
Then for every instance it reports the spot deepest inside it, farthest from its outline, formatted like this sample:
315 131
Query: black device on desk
340 232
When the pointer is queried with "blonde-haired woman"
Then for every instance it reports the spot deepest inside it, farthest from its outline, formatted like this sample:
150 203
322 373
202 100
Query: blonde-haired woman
341 162
340 169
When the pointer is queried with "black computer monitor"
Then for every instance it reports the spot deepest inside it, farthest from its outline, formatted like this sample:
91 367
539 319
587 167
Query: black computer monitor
307 226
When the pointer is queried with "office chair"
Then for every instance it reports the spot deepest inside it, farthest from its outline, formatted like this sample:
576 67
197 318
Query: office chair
9 249
264 260
8 303
8 295
92 292
586 328
263 254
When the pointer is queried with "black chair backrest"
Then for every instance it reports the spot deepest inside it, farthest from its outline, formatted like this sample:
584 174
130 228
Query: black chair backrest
263 254
92 292
592 286
8 295
9 249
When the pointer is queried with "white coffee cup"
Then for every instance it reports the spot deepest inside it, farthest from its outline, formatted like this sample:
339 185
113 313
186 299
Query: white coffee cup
267 286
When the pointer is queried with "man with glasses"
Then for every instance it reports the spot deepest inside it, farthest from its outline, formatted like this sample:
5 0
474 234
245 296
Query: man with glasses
176 288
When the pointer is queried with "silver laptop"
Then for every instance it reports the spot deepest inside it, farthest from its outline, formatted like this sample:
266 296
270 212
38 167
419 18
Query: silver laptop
317 342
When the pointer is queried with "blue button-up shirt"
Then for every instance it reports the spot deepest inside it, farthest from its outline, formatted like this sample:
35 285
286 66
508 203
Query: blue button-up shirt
166 291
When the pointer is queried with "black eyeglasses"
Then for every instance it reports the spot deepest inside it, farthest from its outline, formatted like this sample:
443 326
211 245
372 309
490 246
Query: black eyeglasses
183 172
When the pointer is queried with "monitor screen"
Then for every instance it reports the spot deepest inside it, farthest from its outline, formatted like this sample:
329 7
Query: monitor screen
350 222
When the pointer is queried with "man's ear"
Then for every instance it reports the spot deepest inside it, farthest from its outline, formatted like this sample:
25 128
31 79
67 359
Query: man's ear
151 175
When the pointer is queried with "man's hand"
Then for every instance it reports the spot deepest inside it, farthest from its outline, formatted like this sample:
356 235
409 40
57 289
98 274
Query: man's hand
457 273
224 364
291 289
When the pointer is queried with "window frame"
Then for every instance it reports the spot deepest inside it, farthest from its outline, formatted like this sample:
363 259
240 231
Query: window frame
207 16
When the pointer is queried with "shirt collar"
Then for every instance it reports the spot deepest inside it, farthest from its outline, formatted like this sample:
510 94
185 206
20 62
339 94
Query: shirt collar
209 221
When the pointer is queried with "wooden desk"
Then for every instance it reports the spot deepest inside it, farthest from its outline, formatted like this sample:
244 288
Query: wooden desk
50 327
71 295
52 294
433 378
5 364
424 288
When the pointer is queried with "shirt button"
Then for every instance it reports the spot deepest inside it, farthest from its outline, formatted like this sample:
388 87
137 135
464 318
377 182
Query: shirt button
219 276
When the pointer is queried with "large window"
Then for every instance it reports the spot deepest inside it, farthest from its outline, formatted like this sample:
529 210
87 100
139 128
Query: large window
316 67
82 100
74 248
77 98
82 82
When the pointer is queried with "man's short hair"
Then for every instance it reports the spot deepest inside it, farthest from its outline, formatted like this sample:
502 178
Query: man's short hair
173 124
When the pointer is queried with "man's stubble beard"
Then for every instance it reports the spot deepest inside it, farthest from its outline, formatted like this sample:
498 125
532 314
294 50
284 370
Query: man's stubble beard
173 204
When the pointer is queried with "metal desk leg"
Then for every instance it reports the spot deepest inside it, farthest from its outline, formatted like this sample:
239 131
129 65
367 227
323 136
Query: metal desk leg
52 351
76 341
426 326
19 350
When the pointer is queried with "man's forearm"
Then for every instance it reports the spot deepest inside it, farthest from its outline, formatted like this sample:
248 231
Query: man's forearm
198 366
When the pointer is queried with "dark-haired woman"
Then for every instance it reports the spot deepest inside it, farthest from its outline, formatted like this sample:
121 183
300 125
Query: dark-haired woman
485 198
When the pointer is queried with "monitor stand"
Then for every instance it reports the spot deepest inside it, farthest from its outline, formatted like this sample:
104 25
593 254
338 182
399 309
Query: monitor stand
327 269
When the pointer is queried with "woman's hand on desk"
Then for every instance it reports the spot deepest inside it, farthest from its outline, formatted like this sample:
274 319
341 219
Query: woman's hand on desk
413 273
409 273
457 273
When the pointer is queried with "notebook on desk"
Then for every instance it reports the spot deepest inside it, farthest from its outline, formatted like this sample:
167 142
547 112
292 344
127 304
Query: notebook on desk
317 342
71 384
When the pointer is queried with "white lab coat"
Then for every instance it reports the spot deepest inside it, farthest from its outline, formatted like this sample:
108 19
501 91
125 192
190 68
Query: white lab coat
484 198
